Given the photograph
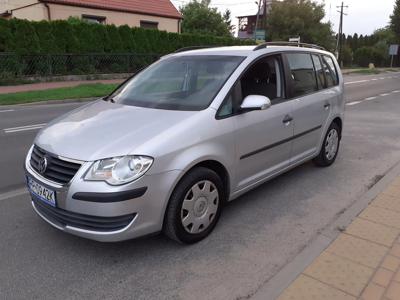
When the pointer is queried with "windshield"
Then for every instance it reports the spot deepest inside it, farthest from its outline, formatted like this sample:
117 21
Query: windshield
178 83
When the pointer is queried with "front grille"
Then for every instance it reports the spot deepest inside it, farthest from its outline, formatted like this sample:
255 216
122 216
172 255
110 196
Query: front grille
93 223
58 170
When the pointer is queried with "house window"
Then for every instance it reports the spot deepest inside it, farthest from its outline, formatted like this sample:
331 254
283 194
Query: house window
149 24
94 19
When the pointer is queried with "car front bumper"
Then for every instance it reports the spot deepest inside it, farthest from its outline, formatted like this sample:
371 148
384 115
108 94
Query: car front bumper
89 208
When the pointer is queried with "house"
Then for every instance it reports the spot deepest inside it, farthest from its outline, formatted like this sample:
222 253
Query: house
155 14
247 23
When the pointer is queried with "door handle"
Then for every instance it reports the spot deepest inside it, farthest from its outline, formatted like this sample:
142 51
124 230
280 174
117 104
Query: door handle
287 119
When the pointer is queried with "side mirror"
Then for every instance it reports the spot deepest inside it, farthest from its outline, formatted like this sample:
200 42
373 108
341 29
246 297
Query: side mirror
255 102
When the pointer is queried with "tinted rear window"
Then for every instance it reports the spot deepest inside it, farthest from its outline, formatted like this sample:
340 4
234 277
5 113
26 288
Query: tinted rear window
302 74
330 71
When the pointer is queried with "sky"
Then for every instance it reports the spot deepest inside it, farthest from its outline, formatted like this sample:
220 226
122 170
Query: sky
364 16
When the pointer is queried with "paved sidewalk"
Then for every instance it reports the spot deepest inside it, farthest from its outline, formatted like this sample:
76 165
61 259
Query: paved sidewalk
363 262
52 85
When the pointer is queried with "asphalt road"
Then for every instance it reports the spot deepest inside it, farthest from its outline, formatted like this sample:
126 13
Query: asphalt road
257 235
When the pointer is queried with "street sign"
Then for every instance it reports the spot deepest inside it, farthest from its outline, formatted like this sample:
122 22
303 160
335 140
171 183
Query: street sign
394 50
260 35
295 40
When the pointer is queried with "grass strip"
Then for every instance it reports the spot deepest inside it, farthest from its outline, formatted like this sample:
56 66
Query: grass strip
77 92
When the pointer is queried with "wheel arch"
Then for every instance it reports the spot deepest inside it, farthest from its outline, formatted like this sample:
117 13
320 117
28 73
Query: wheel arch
338 121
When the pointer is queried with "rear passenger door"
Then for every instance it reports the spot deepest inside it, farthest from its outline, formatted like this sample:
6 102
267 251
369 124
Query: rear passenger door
310 105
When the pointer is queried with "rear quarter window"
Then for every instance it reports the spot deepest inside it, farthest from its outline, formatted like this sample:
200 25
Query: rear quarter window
331 73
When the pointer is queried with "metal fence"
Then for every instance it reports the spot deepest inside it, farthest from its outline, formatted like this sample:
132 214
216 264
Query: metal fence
14 66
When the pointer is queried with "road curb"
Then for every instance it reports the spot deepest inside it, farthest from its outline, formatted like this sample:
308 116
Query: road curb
274 287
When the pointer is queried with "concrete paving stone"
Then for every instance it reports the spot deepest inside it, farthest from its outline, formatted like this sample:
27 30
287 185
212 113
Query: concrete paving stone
381 216
391 263
393 293
383 277
387 202
306 288
358 250
395 251
373 232
373 292
392 190
396 182
397 276
340 273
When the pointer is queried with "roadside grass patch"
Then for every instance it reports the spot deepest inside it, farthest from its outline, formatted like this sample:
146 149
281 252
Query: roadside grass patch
367 71
77 92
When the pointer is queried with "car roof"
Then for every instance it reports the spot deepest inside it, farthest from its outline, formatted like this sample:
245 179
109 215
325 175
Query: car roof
245 51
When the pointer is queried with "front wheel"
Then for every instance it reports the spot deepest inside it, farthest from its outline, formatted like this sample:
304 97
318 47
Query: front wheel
330 147
194 207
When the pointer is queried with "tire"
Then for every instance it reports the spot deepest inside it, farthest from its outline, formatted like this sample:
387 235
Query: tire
194 207
330 147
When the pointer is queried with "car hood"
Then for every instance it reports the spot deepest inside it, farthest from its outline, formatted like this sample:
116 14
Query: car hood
103 129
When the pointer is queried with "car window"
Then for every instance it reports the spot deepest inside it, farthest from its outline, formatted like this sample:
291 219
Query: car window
330 71
319 71
303 79
226 108
264 78
178 82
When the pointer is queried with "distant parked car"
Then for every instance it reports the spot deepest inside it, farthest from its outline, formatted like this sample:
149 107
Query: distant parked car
194 130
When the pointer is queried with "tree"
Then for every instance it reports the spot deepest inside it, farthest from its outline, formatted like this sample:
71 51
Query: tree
227 19
290 18
355 42
395 20
347 56
200 18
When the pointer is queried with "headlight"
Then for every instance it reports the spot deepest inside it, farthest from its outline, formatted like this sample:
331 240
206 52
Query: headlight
119 170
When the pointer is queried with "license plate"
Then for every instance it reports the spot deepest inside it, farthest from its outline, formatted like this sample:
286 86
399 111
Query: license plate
44 194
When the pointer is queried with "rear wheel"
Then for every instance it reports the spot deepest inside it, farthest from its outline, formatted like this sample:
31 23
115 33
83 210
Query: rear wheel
330 147
195 206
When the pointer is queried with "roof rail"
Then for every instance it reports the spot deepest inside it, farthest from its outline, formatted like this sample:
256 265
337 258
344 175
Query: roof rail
294 44
193 48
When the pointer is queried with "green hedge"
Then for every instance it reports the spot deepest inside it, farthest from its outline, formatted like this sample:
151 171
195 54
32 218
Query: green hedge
60 37
72 48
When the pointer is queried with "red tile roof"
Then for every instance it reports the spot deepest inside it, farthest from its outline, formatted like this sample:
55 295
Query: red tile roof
162 8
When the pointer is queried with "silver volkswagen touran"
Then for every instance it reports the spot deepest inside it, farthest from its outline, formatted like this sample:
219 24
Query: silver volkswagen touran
170 146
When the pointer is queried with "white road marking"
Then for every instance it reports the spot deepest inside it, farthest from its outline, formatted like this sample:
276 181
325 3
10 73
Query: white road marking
7 110
369 98
13 194
24 128
353 103
384 95
359 81
394 92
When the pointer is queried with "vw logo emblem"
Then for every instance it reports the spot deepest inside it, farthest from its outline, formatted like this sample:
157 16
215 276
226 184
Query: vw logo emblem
42 165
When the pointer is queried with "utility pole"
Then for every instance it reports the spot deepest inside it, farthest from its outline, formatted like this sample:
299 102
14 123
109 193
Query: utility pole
339 44
257 18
